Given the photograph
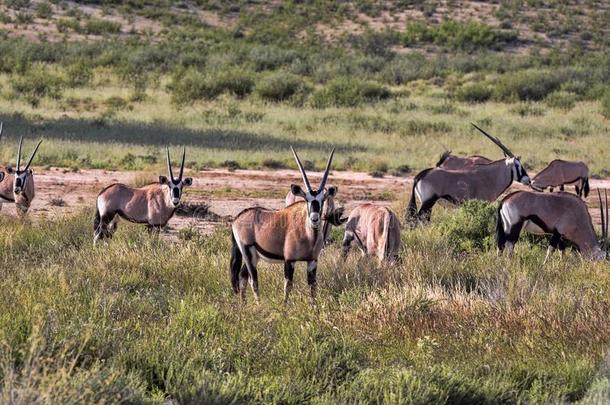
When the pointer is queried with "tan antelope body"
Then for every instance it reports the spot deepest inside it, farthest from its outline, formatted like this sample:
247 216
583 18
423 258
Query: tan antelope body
453 162
376 231
289 235
562 215
153 205
17 185
479 182
562 172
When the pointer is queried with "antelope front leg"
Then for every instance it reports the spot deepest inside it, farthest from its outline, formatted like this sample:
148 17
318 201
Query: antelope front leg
312 268
288 275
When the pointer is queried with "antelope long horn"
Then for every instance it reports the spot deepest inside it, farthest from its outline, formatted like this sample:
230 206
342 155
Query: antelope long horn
32 155
495 140
601 215
328 163
19 153
305 179
182 164
169 165
1 129
606 230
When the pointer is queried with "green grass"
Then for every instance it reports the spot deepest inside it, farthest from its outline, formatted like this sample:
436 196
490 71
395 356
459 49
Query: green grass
143 320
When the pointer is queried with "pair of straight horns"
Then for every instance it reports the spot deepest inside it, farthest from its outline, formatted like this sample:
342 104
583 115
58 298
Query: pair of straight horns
304 175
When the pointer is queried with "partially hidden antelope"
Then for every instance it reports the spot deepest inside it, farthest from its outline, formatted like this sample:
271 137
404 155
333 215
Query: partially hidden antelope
564 216
560 173
375 230
453 162
330 206
17 186
289 235
481 182
152 205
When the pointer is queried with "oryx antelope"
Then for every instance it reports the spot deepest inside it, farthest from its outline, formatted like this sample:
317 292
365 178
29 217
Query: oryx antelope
330 206
375 230
289 235
480 182
153 205
562 172
17 185
564 216
453 162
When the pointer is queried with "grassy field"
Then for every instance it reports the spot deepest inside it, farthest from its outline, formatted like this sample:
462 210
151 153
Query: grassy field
392 85
142 321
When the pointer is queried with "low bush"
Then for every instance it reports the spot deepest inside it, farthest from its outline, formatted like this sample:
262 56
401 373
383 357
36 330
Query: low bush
561 99
528 85
605 104
192 85
471 227
474 93
279 86
348 92
96 26
36 83
79 74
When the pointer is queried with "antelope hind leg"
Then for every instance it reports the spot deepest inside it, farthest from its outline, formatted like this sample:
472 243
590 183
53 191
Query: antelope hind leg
288 277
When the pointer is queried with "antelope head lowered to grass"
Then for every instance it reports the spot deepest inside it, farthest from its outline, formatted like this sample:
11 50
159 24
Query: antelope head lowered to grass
376 231
562 215
18 184
479 182
153 205
563 172
289 235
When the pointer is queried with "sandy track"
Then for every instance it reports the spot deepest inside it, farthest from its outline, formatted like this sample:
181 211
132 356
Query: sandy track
60 191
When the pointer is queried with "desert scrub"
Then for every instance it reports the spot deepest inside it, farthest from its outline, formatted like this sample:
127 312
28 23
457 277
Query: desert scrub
471 227
192 85
280 86
36 83
528 85
348 92
474 93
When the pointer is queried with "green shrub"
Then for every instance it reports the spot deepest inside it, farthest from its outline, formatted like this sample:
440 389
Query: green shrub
605 104
403 69
67 24
529 85
270 57
191 85
96 26
474 93
471 226
37 83
561 99
348 92
279 86
79 74
44 10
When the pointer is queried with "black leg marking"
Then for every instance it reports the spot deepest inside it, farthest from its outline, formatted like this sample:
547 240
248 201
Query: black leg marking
425 211
288 277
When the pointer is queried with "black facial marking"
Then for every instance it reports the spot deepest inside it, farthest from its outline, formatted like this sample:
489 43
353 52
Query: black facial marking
315 206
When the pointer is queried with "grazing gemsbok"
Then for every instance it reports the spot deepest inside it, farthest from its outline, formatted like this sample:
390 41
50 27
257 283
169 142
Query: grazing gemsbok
330 206
562 215
376 231
453 162
153 205
479 182
289 235
562 172
18 186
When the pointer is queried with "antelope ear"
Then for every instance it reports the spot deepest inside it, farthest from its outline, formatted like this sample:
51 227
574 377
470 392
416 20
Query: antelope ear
332 191
297 190
30 171
187 182
10 170
162 179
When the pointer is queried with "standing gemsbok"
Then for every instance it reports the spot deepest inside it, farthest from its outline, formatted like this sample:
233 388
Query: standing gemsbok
562 172
376 231
479 182
18 185
153 205
289 235
562 215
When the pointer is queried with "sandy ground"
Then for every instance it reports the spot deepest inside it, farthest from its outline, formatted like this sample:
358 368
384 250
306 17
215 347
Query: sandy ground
60 191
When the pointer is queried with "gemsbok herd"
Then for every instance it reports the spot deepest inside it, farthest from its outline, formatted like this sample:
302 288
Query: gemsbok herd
300 231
